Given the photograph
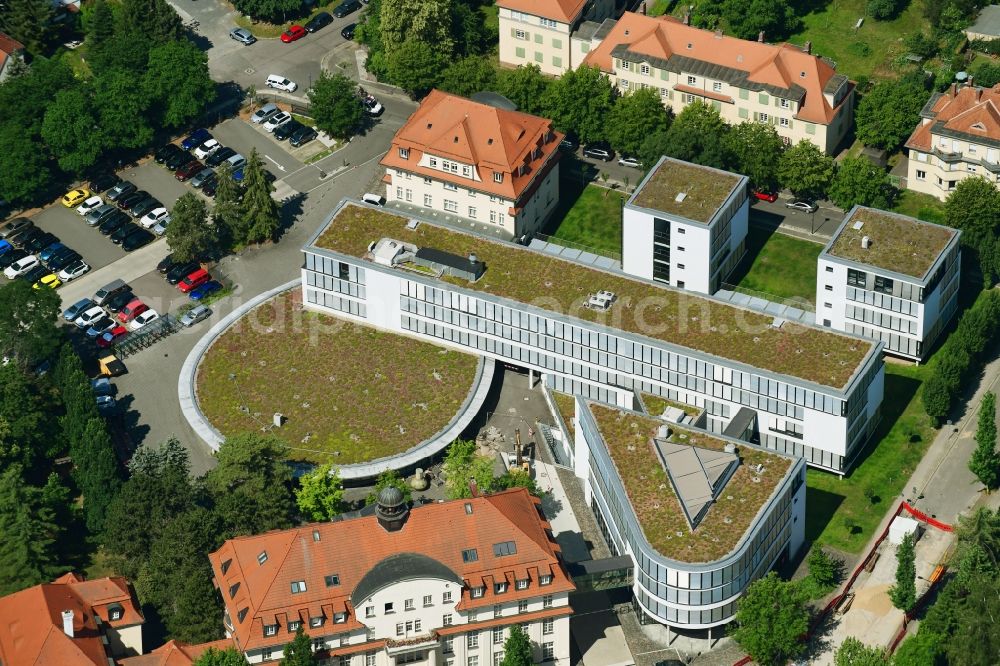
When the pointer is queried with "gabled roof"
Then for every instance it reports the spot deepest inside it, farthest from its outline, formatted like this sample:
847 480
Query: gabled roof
174 653
491 140
31 624
971 113
258 594
8 47
781 69
564 11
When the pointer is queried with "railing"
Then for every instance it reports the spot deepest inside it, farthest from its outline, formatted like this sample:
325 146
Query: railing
799 303
578 246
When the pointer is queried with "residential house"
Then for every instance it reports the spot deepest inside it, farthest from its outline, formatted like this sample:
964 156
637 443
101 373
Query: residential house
547 33
11 51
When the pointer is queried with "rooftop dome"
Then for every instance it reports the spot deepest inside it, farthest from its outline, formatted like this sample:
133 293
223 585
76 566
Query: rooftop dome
390 496
391 509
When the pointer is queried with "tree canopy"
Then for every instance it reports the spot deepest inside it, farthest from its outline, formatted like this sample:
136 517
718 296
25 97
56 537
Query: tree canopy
698 135
904 593
517 648
634 117
805 170
462 464
28 330
887 114
771 619
756 151
28 534
985 460
858 181
261 215
579 101
320 496
335 105
189 234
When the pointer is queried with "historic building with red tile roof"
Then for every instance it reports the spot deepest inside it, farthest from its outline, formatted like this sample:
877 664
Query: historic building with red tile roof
540 32
10 51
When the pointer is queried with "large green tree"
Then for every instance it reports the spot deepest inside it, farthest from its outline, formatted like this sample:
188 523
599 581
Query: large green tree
756 149
28 534
771 619
525 86
462 465
653 147
121 108
853 652
274 11
634 117
25 423
978 550
28 330
805 170
985 460
99 24
415 66
177 83
97 472
227 215
24 168
467 76
858 181
698 135
320 495
425 21
189 234
903 593
299 651
748 18
335 105
389 478
974 207
228 657
517 648
888 113
154 21
72 129
261 215
579 102
28 21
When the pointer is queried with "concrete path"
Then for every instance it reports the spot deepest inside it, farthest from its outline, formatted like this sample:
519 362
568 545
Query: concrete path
128 268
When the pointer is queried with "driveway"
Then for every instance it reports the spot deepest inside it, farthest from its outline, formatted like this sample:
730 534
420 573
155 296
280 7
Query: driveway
243 136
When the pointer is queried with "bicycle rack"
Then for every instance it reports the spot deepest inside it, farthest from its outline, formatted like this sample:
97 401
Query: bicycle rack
146 336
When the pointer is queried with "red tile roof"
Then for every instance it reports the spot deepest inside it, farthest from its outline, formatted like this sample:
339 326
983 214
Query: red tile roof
31 625
565 11
491 140
261 593
782 66
8 47
972 111
175 654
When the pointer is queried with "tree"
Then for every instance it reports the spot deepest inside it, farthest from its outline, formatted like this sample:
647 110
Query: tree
634 117
771 619
921 649
756 150
653 147
228 657
28 329
70 129
389 478
853 652
261 216
985 460
227 214
748 18
177 83
125 50
517 648
805 170
515 478
189 234
462 464
698 135
823 569
974 207
99 25
426 21
27 535
904 593
28 21
987 74
978 551
469 75
97 473
858 181
321 493
121 108
884 10
155 20
250 485
525 86
24 170
888 113
415 67
299 651
579 101
273 11
24 420
335 105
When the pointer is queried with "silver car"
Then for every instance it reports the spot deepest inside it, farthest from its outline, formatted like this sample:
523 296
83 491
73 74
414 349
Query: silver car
202 177
264 113
243 36
99 215
195 314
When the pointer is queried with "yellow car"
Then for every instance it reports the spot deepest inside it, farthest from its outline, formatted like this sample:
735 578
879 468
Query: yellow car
51 281
75 197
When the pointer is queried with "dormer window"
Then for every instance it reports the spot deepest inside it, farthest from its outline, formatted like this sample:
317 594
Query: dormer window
498 177
316 621
115 612
521 584
333 580
232 590
225 566
432 162
626 65
477 592
298 586
466 171
294 626
545 579
500 588
241 614
339 618
404 153
270 630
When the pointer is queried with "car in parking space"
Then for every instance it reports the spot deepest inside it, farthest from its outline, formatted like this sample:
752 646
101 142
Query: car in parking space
276 121
5 247
166 152
346 7
73 311
137 239
119 301
373 199
319 22
205 290
9 258
195 315
804 206
195 279
104 182
40 242
206 149
113 223
629 161
209 188
105 323
106 405
153 217
202 177
236 161
187 171
87 317
74 270
50 251
293 34
285 130
166 264
143 207
20 267
104 294
161 226
569 143
178 272
196 138
48 281
34 274
99 215
75 197
109 338
178 160
134 308
599 152
132 199
769 197
121 190
89 204
280 83
10 226
243 36
142 319
220 156
64 259
302 136
18 237
119 234
347 32
264 113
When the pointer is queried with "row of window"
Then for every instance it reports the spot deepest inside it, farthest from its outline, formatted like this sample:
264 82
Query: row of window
884 285
893 342
881 319
334 302
339 269
812 455
911 308
330 283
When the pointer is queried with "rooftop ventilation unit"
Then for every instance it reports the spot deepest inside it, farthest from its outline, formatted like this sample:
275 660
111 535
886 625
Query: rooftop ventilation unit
413 224
681 196
857 225
730 447
602 300
866 242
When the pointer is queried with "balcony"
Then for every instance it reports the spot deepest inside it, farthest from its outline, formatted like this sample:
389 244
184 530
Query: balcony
947 155
428 641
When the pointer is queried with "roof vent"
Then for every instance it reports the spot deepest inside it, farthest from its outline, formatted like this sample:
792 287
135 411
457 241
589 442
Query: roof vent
455 140
430 125
602 300
473 259
681 196
67 618
626 31
857 225
866 242
663 432
730 447
489 142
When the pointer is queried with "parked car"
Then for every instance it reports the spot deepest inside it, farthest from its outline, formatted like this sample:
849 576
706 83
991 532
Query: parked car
137 239
121 190
104 182
243 36
285 130
206 289
153 217
64 259
26 236
75 197
129 200
178 160
196 138
145 206
10 226
347 32
629 161
264 112
346 7
165 264
202 177
276 121
209 188
119 234
161 226
302 136
34 274
194 279
109 338
372 106
142 319
770 197
280 83
73 311
134 308
105 293
804 206
293 34
9 258
48 281
206 149
20 267
119 300
236 161
40 241
100 215
319 22
219 156
569 143
5 247
113 223
88 317
105 405
74 270
166 152
105 323
188 170
89 204
373 199
181 271
195 315
48 252
599 152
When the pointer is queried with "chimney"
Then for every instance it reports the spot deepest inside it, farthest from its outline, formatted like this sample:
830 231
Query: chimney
642 8
979 94
760 36
473 487
954 89
718 33
687 18
972 81
809 48
67 617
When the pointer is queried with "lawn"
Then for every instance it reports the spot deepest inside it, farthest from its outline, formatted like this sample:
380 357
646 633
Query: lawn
349 393
592 219
839 512
919 205
779 265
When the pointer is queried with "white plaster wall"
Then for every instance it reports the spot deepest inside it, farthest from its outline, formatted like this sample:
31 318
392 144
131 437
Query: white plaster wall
696 256
384 625
637 243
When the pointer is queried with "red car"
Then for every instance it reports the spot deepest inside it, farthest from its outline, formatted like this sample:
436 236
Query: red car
769 197
293 33
109 338
189 170
194 279
134 308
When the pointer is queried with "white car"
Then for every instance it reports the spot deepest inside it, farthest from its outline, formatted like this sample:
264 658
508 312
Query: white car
20 267
89 316
73 271
280 83
161 227
804 206
206 149
154 217
143 319
276 121
89 205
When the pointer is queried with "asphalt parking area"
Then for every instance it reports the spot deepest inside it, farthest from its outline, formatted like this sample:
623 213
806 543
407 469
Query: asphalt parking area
243 136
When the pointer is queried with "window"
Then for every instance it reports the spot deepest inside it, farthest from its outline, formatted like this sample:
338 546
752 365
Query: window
971 168
545 579
270 630
294 625
409 195
783 103
763 117
493 216
369 611
451 206
547 601
687 98
399 628
520 34
547 23
298 586
472 194
856 278
498 658
339 618
332 580
449 644
499 588
497 635
784 122
466 171
317 621
883 285
548 626
664 92
478 592
497 610
262 557
680 249
472 640
428 200
681 266
428 600
521 584
404 153
446 597
644 69
427 181
828 287
717 86
548 651
473 615
522 606
828 305
408 605
472 661
470 555
626 65
399 192
624 84
451 187
921 175
371 659
433 162
681 230
829 269
265 654
504 548
446 620
498 177
116 613
692 80
472 212
388 608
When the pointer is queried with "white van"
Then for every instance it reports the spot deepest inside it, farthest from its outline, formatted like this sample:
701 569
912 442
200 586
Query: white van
373 199
281 83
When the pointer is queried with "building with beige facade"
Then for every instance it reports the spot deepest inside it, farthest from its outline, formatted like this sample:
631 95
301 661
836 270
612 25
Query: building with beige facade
475 162
958 137
553 34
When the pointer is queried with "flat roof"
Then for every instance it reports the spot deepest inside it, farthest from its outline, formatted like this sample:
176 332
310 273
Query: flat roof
560 285
899 243
629 438
705 189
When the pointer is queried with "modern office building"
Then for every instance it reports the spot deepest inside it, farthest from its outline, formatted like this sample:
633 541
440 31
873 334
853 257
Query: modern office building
593 331
686 225
470 160
701 516
552 34
438 585
889 277
958 137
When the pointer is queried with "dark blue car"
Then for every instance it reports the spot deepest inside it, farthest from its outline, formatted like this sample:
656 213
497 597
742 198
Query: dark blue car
196 138
5 247
204 290
47 253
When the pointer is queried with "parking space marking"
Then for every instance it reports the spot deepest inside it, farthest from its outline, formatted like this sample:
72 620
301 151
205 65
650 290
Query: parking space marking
275 162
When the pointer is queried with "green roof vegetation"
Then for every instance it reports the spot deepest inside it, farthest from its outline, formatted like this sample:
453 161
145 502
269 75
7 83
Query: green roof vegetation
558 285
628 437
566 404
898 243
350 393
656 405
705 190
